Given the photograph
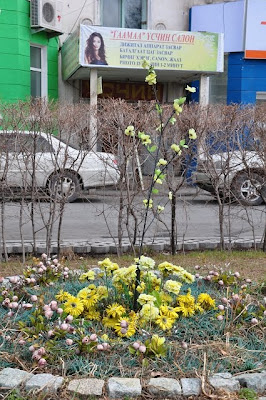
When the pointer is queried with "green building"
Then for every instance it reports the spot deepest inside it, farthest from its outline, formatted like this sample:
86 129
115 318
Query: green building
29 49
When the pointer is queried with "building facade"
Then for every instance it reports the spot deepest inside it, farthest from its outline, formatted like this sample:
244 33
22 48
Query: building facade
28 56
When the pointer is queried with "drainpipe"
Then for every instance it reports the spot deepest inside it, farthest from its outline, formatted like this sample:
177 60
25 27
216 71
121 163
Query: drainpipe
93 109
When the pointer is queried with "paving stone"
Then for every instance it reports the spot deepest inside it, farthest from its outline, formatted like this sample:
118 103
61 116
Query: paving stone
208 245
156 246
11 378
255 381
86 387
122 387
242 244
82 249
46 382
224 381
164 387
191 246
191 386
100 249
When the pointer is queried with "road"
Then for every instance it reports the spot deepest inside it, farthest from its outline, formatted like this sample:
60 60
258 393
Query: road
96 218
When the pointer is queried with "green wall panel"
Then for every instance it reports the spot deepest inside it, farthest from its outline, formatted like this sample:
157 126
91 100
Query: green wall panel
16 37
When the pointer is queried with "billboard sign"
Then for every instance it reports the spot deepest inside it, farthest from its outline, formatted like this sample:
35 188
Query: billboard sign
255 39
166 50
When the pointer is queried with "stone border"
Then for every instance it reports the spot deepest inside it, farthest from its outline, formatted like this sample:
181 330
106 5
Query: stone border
117 387
104 246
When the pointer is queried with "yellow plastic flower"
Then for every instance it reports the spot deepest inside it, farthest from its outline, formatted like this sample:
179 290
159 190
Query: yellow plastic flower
90 276
186 276
73 306
108 266
192 134
178 109
115 310
172 286
205 301
157 180
145 139
165 298
160 209
131 328
92 315
176 148
162 161
102 292
62 296
166 318
170 195
151 78
190 89
149 312
145 64
146 299
141 287
145 202
130 131
186 304
145 263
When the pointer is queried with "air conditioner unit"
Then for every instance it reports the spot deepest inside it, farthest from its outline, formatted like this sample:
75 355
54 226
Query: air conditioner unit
46 14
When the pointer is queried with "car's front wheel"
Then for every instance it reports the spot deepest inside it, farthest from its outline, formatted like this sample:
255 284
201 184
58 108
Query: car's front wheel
65 186
247 187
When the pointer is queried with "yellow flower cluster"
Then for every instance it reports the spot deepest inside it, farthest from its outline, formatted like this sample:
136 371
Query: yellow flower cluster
160 302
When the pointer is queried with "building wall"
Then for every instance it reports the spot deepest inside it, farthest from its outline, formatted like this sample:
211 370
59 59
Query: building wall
245 78
15 40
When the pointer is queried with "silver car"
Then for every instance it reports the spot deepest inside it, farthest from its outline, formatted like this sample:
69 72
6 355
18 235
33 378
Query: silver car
42 161
239 175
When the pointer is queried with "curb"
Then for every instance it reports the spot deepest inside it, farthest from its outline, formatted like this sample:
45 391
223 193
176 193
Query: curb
117 387
105 246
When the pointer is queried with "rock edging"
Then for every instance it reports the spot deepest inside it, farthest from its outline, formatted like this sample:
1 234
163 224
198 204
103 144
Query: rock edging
117 387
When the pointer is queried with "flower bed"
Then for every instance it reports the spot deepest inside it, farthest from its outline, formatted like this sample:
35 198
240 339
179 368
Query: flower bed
87 321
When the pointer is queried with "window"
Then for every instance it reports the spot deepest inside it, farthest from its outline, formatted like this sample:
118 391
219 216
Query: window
260 97
38 70
21 143
124 13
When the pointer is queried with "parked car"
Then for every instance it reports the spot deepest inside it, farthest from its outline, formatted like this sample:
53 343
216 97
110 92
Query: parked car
240 174
41 160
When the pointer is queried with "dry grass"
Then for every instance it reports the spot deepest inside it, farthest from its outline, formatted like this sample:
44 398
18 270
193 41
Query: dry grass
250 264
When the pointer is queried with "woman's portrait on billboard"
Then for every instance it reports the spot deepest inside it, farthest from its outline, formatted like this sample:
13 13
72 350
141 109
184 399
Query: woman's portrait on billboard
95 50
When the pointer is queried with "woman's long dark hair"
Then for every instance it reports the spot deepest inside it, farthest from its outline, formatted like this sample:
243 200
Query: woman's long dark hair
89 51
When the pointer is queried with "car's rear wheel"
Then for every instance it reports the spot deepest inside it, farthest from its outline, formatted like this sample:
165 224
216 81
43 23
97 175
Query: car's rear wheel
65 186
247 187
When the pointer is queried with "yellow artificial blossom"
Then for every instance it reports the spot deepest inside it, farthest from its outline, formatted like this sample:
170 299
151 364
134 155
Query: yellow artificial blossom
162 161
157 180
176 148
115 310
148 204
149 312
108 265
166 318
178 109
145 139
130 131
170 195
92 315
160 209
151 78
73 306
63 296
186 304
90 276
192 134
205 301
145 263
172 286
145 64
190 89
146 299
